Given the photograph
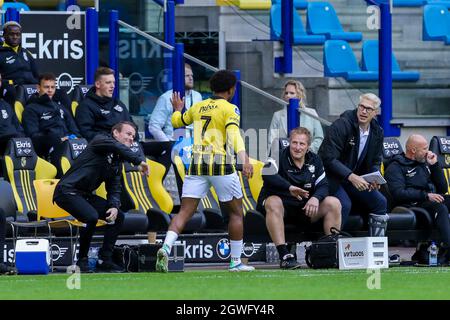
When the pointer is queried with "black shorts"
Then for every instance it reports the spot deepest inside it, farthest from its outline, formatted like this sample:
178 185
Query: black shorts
293 214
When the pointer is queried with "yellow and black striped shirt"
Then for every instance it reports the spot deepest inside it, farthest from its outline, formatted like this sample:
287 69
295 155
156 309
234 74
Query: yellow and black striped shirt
216 136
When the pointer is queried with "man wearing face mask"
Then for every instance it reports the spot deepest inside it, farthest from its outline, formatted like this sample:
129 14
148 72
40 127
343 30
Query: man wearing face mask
100 162
416 178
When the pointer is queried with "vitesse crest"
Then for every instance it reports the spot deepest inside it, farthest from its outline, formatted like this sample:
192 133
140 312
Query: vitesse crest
23 161
447 159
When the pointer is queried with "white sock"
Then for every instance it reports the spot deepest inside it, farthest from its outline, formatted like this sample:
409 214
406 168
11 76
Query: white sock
170 239
236 249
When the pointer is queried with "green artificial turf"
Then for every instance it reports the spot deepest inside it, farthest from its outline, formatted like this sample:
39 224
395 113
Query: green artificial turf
396 283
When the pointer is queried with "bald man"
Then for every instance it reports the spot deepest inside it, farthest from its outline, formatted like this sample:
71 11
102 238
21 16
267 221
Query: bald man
415 178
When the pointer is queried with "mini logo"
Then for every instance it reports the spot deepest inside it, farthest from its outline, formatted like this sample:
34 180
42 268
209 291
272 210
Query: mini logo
4 114
249 249
447 159
307 185
347 247
9 58
138 83
25 56
61 112
57 252
103 111
237 111
23 162
409 171
312 168
67 82
109 158
118 108
223 249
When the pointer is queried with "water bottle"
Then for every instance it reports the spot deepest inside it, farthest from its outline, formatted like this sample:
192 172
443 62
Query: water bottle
433 255
93 257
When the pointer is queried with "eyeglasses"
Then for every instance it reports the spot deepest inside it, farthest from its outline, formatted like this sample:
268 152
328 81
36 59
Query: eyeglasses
365 108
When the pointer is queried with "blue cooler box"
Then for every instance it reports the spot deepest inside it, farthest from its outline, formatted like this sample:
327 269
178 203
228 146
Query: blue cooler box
32 256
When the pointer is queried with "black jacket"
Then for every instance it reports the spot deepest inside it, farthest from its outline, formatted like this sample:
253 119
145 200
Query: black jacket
99 114
9 125
339 149
101 161
410 181
278 177
19 67
44 116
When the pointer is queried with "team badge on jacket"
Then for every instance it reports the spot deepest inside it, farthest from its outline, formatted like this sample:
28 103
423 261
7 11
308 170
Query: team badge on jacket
118 108
4 114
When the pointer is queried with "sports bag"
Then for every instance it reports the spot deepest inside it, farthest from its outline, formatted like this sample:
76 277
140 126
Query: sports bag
323 252
127 257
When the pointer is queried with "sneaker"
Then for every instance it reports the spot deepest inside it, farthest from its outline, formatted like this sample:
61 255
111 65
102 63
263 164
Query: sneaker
289 262
83 264
241 268
162 261
7 270
108 266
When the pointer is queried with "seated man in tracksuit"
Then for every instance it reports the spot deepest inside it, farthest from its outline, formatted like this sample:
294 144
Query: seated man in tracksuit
46 121
100 162
9 125
17 65
100 111
296 190
416 178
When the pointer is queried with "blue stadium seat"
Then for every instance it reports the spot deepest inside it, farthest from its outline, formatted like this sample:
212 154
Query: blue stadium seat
445 3
19 6
322 19
409 3
300 36
436 23
298 4
369 62
340 61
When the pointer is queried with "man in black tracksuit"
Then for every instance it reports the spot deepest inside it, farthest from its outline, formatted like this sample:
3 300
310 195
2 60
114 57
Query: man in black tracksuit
416 178
99 111
17 66
46 121
351 148
9 125
100 162
296 190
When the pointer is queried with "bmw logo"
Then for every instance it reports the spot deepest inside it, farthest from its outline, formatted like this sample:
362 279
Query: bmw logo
223 249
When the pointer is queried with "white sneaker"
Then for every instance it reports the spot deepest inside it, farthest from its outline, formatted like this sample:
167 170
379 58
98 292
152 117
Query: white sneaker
162 261
241 268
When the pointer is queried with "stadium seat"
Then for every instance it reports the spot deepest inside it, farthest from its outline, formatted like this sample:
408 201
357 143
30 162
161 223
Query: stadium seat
340 61
254 4
246 4
408 3
391 147
299 34
441 147
23 93
70 151
445 3
78 94
436 23
19 6
323 20
369 62
298 4
22 167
